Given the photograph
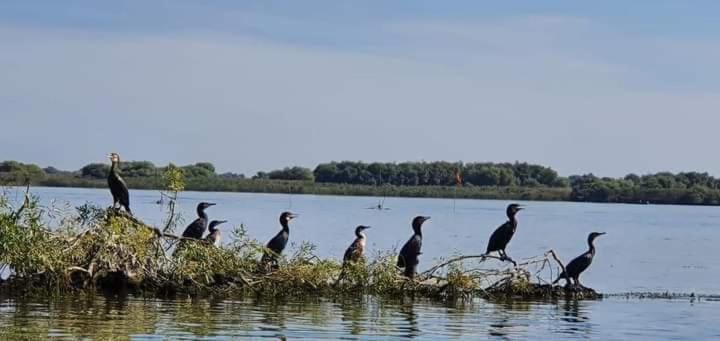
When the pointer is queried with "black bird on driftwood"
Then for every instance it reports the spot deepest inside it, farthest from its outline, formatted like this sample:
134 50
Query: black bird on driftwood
503 234
214 236
117 185
197 228
356 250
277 244
408 257
581 263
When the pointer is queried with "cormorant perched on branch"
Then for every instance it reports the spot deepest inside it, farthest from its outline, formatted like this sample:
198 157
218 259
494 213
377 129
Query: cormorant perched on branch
503 234
117 185
356 250
408 257
214 236
276 245
197 228
581 263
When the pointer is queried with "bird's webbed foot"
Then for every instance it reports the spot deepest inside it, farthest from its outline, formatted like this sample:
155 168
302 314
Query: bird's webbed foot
505 258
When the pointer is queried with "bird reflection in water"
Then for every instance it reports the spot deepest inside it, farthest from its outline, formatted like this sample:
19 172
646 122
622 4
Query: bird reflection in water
574 316
273 319
353 314
410 316
504 318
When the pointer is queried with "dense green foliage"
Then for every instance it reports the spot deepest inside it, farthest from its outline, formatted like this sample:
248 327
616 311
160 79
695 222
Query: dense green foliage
144 169
287 173
438 174
408 179
16 172
661 188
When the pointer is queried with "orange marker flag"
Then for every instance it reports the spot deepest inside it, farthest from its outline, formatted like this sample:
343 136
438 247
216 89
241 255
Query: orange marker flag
458 178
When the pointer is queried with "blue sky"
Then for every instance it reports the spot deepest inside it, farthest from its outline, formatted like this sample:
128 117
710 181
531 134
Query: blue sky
608 87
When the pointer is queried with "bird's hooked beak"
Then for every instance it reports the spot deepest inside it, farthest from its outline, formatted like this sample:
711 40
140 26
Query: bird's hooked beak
426 218
211 204
292 216
520 208
601 233
222 222
366 227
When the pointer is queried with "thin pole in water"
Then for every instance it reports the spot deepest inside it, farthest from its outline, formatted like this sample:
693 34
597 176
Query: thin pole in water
458 183
289 197
454 198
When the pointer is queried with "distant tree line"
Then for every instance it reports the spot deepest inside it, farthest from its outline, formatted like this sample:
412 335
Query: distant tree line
438 174
139 169
287 173
17 172
479 180
690 188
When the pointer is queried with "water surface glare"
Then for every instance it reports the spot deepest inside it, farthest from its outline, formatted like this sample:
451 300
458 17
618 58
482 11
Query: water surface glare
647 248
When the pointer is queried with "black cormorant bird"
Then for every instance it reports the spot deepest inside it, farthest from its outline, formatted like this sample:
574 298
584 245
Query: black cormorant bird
276 245
117 185
356 250
214 236
197 228
408 257
581 263
502 235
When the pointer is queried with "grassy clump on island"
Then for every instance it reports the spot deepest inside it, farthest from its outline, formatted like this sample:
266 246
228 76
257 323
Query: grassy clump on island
504 181
95 248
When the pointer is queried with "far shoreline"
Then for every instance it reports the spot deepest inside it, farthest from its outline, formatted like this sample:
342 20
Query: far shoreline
290 187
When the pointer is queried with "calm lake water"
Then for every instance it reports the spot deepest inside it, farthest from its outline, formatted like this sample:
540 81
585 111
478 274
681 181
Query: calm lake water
648 248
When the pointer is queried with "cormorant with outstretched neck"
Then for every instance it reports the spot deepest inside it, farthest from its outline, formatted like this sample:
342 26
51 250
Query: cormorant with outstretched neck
117 185
277 244
214 236
356 250
503 234
197 228
408 257
581 263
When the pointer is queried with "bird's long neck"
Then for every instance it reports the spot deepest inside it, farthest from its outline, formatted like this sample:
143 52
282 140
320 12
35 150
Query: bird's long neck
201 213
114 167
591 246
285 226
512 219
212 229
360 234
418 230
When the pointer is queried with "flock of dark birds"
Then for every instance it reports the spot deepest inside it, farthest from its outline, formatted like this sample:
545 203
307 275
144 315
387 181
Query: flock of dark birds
408 258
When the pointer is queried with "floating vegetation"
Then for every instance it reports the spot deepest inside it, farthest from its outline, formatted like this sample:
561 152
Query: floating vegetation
106 249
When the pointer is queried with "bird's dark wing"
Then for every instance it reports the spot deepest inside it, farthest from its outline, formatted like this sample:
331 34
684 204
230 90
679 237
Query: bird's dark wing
278 243
195 229
579 264
409 252
124 195
351 250
500 238
116 186
119 190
